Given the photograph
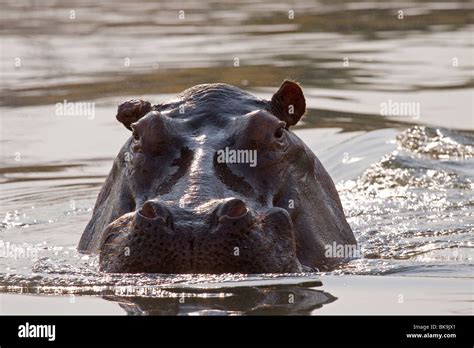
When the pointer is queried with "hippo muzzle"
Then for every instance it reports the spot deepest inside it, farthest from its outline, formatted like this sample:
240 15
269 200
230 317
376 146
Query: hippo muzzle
215 182
231 239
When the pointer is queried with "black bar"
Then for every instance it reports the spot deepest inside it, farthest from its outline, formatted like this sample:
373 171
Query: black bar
290 330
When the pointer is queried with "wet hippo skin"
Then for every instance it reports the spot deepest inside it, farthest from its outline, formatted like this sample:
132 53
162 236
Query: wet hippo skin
215 181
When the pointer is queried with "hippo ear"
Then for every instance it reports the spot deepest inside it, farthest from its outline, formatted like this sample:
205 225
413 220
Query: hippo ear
288 103
131 111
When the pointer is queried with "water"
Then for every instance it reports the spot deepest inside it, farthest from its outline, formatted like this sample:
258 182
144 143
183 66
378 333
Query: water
406 182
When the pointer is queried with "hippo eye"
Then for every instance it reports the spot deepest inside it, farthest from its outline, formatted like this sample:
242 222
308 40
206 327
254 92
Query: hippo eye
279 133
135 135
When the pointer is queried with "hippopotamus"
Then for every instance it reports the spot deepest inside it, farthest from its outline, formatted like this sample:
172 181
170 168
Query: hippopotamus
215 181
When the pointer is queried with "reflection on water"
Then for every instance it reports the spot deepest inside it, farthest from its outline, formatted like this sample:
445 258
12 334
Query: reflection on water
227 294
407 190
245 300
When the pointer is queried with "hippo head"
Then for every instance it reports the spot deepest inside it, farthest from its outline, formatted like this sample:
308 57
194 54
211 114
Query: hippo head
214 181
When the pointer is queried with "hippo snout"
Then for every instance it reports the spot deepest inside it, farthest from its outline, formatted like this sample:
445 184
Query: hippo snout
232 237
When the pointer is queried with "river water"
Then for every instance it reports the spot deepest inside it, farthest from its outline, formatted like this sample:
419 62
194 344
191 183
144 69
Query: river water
405 176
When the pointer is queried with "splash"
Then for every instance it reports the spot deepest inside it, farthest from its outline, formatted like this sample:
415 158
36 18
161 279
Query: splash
439 143
413 211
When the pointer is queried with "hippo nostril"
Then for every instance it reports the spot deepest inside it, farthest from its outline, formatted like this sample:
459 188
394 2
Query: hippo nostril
157 213
233 208
237 210
148 211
